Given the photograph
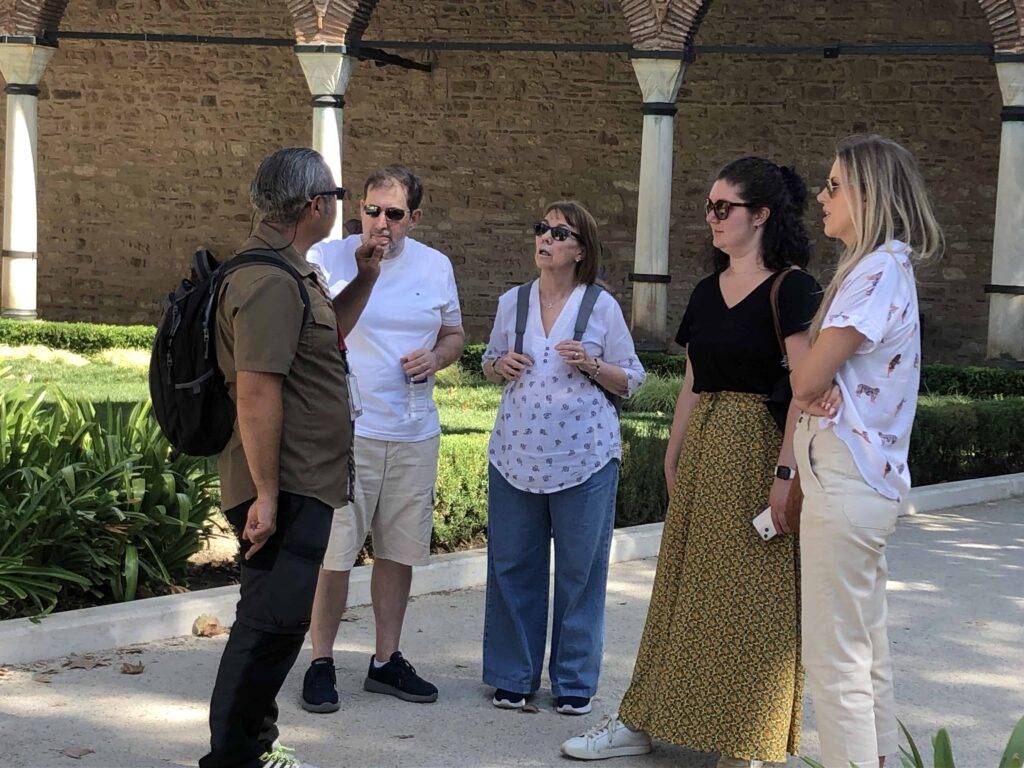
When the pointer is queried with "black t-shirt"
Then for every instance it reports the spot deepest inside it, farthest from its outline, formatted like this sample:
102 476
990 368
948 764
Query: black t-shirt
736 350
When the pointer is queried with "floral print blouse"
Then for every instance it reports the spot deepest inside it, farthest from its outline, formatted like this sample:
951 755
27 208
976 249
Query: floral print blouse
555 428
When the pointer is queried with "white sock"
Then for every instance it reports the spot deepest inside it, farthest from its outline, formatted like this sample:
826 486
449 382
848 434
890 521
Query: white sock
378 664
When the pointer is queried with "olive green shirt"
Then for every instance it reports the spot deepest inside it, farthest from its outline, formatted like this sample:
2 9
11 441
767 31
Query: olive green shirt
259 329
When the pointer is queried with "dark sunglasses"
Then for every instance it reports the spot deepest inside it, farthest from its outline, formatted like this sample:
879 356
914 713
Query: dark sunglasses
722 208
338 193
559 232
832 187
392 214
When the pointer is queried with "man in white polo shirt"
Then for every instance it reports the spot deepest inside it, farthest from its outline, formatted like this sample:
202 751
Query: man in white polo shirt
410 328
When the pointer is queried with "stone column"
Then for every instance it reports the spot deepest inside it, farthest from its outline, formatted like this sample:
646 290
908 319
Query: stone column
659 79
1006 311
22 65
328 69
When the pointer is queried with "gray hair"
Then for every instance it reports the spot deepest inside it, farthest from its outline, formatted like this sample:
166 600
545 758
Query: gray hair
286 181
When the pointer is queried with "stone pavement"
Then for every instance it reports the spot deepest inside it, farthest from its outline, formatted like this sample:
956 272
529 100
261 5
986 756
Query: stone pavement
957 625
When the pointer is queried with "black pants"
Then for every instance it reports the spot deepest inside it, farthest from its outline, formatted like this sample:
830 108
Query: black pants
271 620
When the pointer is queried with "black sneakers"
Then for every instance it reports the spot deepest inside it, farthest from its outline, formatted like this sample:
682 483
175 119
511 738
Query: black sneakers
320 687
398 678
508 699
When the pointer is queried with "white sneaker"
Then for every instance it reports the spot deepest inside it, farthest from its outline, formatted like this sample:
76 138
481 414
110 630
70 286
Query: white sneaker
611 738
735 762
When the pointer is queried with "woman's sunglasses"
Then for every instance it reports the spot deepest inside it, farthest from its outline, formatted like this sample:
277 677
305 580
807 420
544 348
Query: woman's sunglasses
832 187
559 232
722 208
392 214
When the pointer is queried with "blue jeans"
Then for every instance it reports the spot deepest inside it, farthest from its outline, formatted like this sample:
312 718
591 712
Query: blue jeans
519 530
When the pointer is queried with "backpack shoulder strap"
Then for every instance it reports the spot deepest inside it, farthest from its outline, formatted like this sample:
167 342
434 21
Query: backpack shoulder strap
586 310
522 312
774 300
274 259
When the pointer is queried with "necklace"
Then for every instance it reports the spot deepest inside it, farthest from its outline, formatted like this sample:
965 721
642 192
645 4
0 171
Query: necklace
552 304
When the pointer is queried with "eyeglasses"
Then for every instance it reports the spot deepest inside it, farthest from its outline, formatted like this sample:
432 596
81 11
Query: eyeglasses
392 214
832 187
722 208
559 232
338 193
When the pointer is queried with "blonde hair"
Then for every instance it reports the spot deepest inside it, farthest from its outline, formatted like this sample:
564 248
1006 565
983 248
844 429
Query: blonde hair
888 201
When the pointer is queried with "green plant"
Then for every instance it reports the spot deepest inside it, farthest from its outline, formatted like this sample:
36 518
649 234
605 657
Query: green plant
942 751
92 504
82 338
971 381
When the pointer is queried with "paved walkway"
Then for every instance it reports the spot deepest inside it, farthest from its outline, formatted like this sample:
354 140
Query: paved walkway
957 618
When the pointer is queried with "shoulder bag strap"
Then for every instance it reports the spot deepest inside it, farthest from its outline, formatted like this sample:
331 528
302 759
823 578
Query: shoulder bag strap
774 300
522 312
586 310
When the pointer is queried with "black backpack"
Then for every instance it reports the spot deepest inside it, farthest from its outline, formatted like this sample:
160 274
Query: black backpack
582 318
190 397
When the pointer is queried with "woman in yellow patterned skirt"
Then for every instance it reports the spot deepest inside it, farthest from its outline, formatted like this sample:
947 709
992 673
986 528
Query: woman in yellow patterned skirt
719 664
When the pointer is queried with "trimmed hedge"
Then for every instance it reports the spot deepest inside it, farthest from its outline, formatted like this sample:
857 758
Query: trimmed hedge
87 338
82 338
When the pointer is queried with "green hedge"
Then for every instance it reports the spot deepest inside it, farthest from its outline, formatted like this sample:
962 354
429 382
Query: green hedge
83 338
86 338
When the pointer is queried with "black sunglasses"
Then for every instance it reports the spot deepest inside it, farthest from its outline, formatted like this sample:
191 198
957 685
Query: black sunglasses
337 193
392 214
559 232
722 208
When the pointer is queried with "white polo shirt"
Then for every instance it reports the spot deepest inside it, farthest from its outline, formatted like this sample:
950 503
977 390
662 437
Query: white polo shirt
880 382
413 297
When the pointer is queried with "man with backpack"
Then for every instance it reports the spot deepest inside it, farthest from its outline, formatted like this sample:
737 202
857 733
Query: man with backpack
288 463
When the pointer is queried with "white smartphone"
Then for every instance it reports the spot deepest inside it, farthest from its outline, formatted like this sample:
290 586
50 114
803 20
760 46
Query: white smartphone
765 526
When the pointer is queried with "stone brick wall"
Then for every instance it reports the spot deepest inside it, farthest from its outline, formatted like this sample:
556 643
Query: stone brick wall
146 150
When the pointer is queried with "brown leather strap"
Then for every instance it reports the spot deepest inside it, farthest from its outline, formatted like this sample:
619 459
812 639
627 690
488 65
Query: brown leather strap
774 299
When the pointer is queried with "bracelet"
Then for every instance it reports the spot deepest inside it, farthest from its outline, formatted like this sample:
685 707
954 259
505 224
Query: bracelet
597 367
494 366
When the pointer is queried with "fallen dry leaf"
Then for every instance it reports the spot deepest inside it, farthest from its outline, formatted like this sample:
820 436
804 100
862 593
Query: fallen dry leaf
406 736
77 752
84 661
529 709
130 668
44 677
208 626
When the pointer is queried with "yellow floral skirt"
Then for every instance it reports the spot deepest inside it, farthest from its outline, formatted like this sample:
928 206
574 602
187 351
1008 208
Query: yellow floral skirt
719 664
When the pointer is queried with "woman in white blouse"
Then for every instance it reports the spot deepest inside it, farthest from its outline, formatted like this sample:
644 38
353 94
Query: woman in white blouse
858 389
553 470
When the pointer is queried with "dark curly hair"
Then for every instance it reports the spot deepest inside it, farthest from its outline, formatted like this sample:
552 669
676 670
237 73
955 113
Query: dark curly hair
764 184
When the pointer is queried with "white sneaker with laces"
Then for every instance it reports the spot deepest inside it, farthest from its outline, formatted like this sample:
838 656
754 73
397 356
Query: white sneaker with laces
610 738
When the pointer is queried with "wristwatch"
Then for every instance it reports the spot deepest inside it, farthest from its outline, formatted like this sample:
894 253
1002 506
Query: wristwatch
785 473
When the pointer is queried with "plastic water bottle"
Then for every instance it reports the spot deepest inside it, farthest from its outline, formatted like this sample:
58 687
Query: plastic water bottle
416 393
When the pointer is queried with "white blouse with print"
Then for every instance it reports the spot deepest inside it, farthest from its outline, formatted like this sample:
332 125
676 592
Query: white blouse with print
555 428
880 382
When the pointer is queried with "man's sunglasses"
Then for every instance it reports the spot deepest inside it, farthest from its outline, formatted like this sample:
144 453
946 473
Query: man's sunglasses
832 187
392 214
722 208
337 193
559 232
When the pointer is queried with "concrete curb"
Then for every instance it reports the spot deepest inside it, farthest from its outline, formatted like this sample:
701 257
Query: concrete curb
141 621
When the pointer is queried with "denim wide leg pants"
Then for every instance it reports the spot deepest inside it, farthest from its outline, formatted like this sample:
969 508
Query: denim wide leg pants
519 532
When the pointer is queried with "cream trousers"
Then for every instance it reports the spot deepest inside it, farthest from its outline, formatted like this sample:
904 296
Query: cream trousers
843 532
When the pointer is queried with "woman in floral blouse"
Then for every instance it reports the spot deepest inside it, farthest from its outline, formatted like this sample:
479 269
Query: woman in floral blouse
554 466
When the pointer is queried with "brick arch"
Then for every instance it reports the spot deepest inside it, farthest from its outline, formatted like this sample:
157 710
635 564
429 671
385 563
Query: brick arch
665 25
1006 18
32 18
330 21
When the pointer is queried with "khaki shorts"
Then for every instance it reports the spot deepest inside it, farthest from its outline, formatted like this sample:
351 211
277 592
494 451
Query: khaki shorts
394 498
